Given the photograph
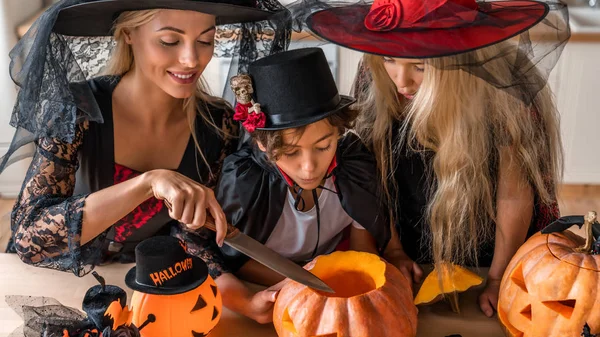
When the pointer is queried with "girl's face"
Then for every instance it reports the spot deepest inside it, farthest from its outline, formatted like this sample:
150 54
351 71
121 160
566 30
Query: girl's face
407 74
173 49
308 158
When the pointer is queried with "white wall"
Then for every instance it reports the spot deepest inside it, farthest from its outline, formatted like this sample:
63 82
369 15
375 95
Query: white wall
12 13
577 86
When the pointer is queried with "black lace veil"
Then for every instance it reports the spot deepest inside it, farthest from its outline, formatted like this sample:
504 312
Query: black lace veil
533 52
47 68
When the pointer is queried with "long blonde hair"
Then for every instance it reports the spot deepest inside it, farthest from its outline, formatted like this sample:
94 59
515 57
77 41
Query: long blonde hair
122 61
464 121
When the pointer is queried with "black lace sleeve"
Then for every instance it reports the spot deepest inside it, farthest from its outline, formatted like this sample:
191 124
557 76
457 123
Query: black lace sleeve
201 243
46 220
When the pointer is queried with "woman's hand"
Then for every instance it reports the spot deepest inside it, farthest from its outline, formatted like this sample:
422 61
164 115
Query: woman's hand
187 200
488 299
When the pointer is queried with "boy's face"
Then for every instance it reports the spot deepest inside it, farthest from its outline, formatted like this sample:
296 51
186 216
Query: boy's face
309 157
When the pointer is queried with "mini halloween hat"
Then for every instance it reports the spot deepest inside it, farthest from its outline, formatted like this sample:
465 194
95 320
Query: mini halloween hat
163 267
293 88
96 18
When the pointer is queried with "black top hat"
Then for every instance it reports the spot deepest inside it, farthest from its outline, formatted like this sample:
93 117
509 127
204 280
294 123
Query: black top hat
96 17
163 267
295 88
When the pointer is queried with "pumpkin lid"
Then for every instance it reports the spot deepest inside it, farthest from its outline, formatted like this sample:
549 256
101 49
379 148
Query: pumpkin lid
454 279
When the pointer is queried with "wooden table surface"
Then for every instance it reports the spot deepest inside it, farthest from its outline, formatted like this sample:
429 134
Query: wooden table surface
17 278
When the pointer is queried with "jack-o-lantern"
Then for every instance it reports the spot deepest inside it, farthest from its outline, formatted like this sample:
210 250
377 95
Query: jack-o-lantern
372 298
192 314
551 287
174 288
455 279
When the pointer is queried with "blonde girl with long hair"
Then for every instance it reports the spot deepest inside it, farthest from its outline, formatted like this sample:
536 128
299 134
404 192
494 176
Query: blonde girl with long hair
462 124
145 141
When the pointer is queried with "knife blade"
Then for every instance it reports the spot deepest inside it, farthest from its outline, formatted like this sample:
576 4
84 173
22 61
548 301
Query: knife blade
266 256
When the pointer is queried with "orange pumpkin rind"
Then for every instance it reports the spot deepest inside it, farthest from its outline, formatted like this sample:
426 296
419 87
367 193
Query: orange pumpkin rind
370 296
455 279
551 286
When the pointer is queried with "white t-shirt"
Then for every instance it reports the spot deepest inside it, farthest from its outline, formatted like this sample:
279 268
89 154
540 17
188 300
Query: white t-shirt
295 234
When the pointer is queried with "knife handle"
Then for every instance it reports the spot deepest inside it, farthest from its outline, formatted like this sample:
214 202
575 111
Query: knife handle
210 223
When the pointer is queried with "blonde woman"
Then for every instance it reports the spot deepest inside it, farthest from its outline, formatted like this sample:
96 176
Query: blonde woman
130 154
461 121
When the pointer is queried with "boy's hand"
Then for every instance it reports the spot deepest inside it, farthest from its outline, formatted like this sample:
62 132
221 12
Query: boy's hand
410 269
261 304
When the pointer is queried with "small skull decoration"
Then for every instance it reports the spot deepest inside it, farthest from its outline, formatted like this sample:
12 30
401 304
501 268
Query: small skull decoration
246 110
242 88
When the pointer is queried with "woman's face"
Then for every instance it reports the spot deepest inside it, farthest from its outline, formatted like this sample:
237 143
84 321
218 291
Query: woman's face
173 49
407 74
308 158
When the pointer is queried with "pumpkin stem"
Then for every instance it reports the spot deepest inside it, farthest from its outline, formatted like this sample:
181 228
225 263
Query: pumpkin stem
453 299
590 219
100 280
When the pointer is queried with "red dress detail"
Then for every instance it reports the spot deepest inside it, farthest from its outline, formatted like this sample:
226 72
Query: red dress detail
141 214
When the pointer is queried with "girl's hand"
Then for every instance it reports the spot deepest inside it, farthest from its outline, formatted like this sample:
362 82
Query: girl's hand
488 299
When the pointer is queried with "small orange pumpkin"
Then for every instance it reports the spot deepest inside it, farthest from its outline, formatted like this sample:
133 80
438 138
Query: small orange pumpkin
551 287
372 298
191 314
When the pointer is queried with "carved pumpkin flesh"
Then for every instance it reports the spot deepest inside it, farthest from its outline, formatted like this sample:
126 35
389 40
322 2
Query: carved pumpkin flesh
372 298
191 314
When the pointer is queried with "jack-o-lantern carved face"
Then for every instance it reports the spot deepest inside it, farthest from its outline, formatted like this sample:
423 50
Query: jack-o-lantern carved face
191 314
365 286
550 288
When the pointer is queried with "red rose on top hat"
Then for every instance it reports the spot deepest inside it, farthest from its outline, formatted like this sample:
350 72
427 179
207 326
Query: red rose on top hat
246 109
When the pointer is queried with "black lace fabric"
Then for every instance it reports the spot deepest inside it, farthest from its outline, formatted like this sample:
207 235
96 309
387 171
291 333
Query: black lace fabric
47 217
43 316
46 220
201 243
53 111
45 65
533 53
48 105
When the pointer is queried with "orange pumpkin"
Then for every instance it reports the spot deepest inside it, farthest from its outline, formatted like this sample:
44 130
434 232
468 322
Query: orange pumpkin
372 298
194 313
551 287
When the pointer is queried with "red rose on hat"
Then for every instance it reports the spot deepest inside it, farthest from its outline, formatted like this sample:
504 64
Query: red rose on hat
255 120
241 111
385 15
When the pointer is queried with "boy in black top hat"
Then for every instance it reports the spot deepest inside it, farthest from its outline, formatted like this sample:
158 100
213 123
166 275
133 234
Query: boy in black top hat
303 186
